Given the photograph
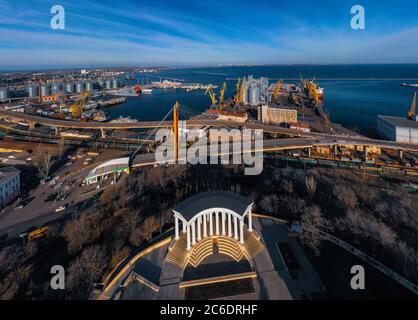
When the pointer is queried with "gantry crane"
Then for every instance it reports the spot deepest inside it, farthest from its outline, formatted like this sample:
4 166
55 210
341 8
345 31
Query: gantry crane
77 108
412 108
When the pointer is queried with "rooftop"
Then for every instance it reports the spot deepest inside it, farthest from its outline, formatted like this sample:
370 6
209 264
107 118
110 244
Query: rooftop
212 199
400 122
6 172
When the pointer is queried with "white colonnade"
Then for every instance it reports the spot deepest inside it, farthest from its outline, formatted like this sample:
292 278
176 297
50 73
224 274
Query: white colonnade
216 222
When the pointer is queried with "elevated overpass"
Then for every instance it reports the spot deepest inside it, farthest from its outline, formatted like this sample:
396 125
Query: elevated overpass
309 139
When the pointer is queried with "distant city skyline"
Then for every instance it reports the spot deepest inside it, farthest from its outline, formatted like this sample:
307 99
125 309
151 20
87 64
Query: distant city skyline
203 33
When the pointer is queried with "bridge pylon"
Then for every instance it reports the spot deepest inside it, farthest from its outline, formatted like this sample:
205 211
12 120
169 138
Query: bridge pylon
176 130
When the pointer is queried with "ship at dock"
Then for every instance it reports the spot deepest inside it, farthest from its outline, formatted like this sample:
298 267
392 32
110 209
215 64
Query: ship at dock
127 92
111 102
124 120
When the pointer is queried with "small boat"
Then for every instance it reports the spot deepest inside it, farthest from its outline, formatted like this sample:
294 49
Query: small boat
413 85
147 90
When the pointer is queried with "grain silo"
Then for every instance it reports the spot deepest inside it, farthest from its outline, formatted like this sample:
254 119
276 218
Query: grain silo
4 93
33 91
69 87
45 90
79 87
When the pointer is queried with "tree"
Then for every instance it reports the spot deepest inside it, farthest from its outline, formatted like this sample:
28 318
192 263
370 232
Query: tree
310 185
62 148
44 160
85 270
82 231
312 221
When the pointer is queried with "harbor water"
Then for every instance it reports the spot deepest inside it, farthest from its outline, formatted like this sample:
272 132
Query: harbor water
354 94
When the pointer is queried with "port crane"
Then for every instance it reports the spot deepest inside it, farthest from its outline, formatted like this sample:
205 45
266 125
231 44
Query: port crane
212 96
237 92
242 91
412 108
222 96
78 107
222 93
277 89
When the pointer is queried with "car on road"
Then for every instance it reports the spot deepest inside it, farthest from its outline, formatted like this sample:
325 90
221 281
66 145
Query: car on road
61 208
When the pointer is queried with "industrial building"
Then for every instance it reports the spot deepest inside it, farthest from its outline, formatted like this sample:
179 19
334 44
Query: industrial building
398 129
277 115
236 116
9 184
255 90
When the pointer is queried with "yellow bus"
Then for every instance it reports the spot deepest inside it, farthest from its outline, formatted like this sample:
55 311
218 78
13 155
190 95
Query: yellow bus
38 233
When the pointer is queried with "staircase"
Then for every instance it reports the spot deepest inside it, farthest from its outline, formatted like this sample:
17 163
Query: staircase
230 247
253 245
177 252
201 250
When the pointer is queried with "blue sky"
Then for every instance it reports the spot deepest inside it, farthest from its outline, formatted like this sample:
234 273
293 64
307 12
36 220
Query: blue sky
204 32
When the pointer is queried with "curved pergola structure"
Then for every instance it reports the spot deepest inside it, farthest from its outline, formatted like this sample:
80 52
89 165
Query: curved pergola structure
213 213
109 167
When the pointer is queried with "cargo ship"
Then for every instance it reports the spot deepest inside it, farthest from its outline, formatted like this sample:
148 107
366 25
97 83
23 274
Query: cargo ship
127 92
111 102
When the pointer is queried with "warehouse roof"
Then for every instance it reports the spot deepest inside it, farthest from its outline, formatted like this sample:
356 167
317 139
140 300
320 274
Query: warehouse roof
400 122
212 199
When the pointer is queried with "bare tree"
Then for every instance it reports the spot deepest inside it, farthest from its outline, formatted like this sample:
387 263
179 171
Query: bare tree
44 160
62 148
310 185
312 221
85 270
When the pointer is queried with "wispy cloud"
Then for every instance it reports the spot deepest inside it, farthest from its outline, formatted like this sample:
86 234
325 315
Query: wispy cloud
201 32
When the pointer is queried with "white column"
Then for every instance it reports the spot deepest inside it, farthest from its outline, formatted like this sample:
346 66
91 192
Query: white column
250 221
235 228
205 226
211 224
199 228
241 230
229 225
177 227
223 224
193 233
184 226
217 222
188 238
